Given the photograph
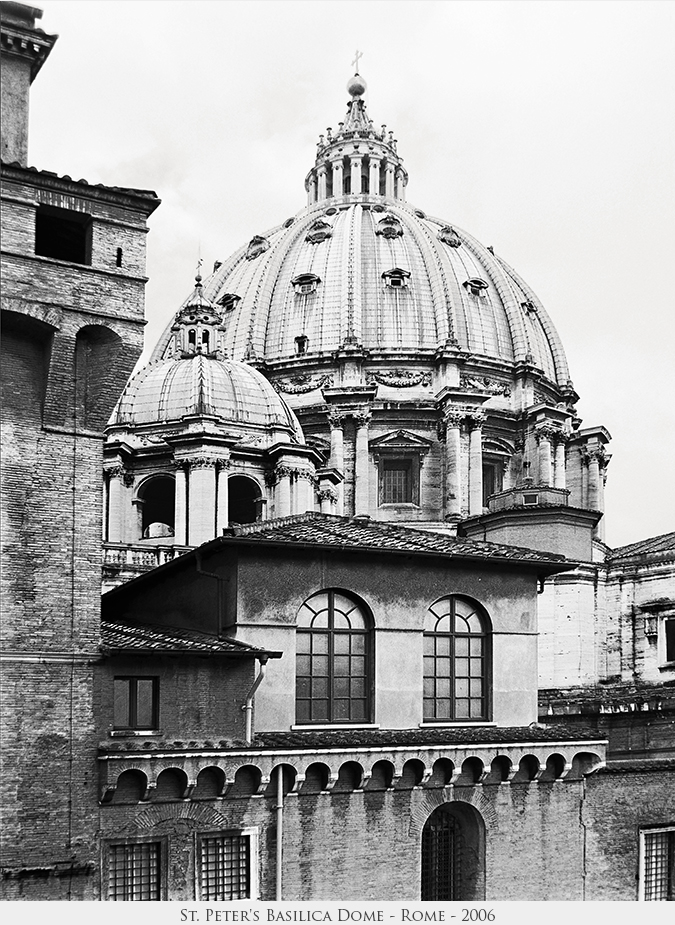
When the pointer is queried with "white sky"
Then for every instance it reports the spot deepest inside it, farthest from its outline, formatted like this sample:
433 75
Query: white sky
543 128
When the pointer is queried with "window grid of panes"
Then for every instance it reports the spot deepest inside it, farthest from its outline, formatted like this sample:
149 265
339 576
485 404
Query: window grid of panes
659 865
455 662
397 482
225 867
332 661
135 703
134 871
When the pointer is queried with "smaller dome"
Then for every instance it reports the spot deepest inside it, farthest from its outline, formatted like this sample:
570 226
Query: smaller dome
356 85
199 384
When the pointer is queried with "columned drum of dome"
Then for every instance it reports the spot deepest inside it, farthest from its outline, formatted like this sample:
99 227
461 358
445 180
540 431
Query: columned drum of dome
405 345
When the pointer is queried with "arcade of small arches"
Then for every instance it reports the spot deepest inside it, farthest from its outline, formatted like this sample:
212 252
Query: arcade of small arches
210 776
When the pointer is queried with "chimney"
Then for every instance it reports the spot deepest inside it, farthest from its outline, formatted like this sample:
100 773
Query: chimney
24 50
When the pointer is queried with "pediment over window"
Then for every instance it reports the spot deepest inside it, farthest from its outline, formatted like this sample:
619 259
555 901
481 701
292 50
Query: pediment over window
400 443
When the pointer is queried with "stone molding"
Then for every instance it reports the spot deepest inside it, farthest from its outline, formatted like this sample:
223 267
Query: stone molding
484 384
299 385
399 378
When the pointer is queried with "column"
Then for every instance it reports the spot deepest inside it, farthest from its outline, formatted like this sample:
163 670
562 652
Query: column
355 163
311 190
453 483
337 452
322 183
543 437
337 178
476 465
223 506
180 528
283 491
305 490
328 499
400 194
202 520
374 176
593 456
115 477
559 478
362 473
389 181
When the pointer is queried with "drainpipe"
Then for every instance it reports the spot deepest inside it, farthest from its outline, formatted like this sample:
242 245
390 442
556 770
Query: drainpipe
280 827
248 706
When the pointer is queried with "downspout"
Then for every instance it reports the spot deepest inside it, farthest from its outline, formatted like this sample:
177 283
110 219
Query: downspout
280 828
248 705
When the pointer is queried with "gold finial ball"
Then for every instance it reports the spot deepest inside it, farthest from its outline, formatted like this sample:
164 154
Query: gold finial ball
356 86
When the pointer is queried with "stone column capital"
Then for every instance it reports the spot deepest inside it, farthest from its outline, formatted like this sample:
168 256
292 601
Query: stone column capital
336 419
362 417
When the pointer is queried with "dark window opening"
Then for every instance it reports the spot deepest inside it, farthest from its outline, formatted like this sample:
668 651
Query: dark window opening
136 703
134 872
205 340
244 500
301 344
63 235
333 661
456 661
453 854
493 480
531 498
225 864
397 481
158 496
118 258
670 640
192 337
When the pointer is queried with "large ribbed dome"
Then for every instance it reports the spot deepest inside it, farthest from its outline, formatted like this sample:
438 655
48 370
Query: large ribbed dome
233 393
453 289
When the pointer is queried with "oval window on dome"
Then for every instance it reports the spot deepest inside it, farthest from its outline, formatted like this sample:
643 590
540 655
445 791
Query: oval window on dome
475 285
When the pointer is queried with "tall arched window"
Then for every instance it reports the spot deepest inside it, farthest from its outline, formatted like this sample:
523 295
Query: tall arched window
333 661
453 854
456 660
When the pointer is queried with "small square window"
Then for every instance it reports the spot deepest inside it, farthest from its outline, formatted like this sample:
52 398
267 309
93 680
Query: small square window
226 866
657 864
63 235
135 871
136 703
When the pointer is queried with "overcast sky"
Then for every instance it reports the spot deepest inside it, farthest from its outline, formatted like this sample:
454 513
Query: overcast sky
545 129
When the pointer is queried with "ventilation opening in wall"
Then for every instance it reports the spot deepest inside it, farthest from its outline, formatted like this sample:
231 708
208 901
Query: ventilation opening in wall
62 234
531 498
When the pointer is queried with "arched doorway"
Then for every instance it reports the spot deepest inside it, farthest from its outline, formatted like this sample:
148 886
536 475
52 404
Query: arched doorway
453 854
244 500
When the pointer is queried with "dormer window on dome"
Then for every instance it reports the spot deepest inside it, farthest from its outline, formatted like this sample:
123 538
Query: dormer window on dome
396 278
319 231
305 283
229 301
449 236
389 227
256 246
475 286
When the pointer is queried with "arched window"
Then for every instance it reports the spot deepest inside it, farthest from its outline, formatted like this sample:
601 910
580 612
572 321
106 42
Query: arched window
333 661
456 661
453 854
158 507
244 500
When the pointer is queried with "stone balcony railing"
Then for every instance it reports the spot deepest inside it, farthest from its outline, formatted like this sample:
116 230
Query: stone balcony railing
122 561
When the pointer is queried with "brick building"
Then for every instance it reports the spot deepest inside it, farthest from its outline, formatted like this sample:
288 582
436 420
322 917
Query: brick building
358 605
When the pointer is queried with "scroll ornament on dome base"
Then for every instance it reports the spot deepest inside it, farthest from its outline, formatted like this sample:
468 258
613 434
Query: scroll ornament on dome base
484 384
299 385
399 378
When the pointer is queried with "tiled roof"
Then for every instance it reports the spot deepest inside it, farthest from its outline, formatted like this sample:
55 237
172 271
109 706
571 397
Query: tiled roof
664 543
119 637
330 530
391 738
50 175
